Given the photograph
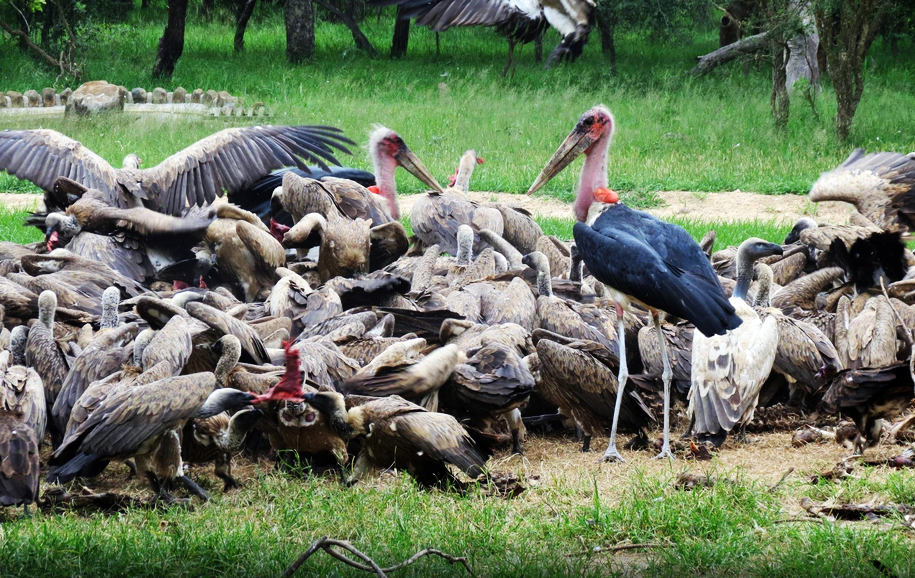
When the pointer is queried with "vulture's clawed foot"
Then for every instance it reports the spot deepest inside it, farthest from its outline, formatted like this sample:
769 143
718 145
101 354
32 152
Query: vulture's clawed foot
229 483
517 449
194 489
585 444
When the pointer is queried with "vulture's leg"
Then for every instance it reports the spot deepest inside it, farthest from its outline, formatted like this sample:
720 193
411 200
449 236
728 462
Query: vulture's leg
25 511
223 471
360 468
612 454
133 470
585 443
666 376
511 57
193 488
516 426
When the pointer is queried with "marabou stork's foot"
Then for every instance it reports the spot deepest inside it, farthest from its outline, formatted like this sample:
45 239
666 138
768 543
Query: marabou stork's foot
193 488
585 444
611 456
665 453
133 470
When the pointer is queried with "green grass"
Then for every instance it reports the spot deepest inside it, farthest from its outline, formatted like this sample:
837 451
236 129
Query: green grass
11 228
728 529
675 132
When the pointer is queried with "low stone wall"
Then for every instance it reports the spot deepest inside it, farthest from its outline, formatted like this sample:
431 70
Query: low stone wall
51 103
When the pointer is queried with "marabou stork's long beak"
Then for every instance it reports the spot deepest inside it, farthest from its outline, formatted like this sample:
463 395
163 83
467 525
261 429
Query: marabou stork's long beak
411 163
573 147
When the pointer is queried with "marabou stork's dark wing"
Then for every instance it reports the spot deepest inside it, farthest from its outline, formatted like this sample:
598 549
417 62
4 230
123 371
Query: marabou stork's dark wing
43 155
658 264
233 160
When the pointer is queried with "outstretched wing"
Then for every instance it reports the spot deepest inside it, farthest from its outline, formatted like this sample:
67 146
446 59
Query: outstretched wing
234 159
43 155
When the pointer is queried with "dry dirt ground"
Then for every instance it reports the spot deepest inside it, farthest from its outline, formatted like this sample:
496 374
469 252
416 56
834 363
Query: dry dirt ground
730 206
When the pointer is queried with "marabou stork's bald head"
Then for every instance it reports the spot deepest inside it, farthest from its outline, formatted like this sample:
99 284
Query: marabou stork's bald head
591 137
389 151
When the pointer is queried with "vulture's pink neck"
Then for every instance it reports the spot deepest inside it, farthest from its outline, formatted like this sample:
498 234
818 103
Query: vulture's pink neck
593 176
385 166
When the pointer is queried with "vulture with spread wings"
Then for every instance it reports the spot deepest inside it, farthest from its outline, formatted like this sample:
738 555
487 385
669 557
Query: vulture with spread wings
229 160
521 21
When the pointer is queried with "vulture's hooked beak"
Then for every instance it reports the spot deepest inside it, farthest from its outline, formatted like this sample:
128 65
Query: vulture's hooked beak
576 144
415 167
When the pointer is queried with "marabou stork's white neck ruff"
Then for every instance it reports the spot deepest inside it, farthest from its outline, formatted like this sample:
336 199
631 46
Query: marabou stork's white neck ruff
638 257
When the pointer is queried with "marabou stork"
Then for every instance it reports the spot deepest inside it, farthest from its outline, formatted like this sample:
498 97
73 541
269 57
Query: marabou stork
640 258
521 21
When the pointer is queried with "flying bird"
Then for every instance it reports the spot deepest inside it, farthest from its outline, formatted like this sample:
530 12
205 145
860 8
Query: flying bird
521 21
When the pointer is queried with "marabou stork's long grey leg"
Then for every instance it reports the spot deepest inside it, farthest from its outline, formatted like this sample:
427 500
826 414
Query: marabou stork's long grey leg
612 454
666 376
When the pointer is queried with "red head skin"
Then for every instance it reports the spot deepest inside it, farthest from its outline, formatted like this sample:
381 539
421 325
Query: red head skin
594 171
289 388
278 230
179 285
53 241
373 189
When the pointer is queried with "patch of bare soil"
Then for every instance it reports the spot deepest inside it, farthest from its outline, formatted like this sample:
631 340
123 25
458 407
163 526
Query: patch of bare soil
730 206
16 202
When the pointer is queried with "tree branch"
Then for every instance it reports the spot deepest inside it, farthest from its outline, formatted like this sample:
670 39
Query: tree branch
69 68
359 38
328 545
725 54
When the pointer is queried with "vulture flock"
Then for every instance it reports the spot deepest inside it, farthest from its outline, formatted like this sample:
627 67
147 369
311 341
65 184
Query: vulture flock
156 326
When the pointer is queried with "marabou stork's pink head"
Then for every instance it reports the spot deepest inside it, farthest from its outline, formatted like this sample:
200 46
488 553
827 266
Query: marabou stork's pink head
591 137
389 151
453 178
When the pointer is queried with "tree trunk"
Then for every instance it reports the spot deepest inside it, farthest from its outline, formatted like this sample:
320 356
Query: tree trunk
300 30
241 24
171 45
731 27
748 45
779 100
607 26
144 4
847 34
206 9
802 58
401 34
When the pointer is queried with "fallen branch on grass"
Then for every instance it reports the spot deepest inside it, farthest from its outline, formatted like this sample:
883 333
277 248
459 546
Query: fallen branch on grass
107 501
855 511
328 545
64 66
725 54
618 548
781 480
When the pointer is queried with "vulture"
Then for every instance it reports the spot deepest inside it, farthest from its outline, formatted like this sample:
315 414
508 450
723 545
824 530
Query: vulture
399 434
881 186
229 160
729 370
22 415
521 21
142 422
868 396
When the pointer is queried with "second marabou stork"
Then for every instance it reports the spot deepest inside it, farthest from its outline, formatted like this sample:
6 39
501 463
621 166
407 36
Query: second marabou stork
641 259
